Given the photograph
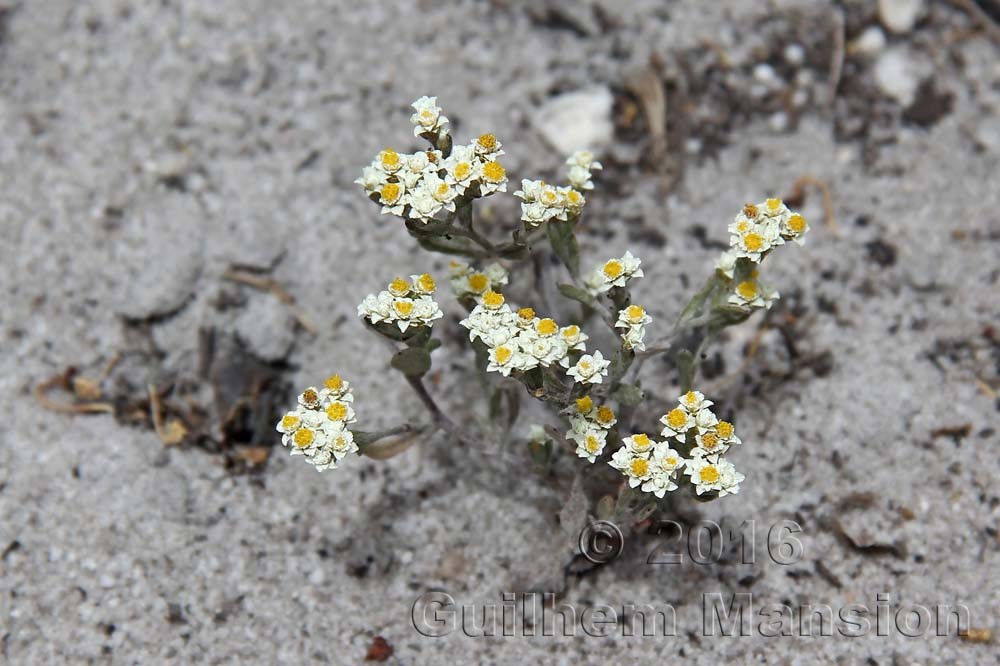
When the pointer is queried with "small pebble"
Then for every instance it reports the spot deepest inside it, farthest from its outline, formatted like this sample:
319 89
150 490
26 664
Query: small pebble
795 54
870 42
899 16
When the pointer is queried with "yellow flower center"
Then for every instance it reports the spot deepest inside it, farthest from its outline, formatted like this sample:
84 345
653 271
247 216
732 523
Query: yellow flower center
309 397
725 429
426 283
493 172
340 442
709 441
574 198
549 197
389 159
427 115
669 462
289 422
708 474
492 299
571 332
503 354
639 467
593 444
526 314
747 290
337 411
584 404
605 415
584 365
797 223
463 170
640 441
750 211
773 204
676 418
742 226
390 193
442 191
403 308
304 437
547 327
334 383
753 241
399 286
634 312
487 142
478 282
690 398
613 269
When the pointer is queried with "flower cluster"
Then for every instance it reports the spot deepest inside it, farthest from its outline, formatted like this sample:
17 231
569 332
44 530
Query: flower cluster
614 273
404 303
467 281
633 319
543 202
757 229
589 426
655 466
651 465
422 184
317 428
693 424
521 341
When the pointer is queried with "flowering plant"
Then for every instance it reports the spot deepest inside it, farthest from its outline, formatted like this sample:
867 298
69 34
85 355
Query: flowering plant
591 395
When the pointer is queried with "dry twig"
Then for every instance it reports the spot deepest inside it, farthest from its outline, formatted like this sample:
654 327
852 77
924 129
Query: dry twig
271 286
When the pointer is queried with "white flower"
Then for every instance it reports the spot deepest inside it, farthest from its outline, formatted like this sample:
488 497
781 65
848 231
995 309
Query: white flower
616 273
794 227
752 294
604 417
440 190
393 198
574 338
417 165
579 178
335 388
632 339
590 442
533 214
503 359
585 159
726 263
322 460
487 147
590 369
427 117
372 179
572 202
423 205
635 466
309 398
530 189
423 284
659 484
388 161
676 423
639 443
666 459
726 433
705 420
340 413
342 443
694 401
492 178
460 167
712 473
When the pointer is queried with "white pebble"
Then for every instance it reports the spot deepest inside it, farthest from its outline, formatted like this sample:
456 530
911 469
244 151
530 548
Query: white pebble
579 120
899 16
795 54
778 122
896 75
870 42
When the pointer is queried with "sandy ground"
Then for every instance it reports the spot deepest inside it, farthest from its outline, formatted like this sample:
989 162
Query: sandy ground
149 147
